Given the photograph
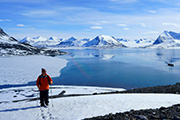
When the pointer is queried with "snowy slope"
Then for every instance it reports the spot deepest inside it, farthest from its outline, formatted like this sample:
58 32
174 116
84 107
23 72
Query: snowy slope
71 42
11 46
52 41
41 42
76 108
28 40
81 42
167 39
103 40
5 38
137 43
29 92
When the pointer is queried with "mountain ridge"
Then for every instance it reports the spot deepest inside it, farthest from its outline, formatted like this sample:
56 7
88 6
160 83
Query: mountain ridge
10 46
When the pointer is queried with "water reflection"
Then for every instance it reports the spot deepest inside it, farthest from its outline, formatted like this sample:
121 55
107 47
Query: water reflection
121 67
154 58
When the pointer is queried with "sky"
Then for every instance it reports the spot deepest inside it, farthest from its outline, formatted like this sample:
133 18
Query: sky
131 19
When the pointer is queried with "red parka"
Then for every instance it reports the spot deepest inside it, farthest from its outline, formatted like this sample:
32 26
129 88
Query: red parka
43 82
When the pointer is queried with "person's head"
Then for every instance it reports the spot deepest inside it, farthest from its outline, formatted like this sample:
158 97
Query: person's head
43 72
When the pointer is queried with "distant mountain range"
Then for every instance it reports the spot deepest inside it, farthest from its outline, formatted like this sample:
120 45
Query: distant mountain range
10 46
101 41
165 40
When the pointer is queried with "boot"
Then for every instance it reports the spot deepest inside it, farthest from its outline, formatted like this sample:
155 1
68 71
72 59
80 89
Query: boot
42 105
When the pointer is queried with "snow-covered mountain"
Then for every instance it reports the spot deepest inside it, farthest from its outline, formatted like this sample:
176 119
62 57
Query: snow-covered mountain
137 42
5 38
104 41
41 41
123 39
71 42
54 42
81 42
28 40
11 46
167 39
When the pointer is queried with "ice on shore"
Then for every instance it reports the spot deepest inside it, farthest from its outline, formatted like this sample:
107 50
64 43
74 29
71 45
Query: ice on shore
24 69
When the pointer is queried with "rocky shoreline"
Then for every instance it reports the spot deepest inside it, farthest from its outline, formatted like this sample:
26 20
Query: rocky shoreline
163 113
175 89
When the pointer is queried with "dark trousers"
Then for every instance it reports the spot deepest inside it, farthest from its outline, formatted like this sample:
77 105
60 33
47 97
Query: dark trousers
44 97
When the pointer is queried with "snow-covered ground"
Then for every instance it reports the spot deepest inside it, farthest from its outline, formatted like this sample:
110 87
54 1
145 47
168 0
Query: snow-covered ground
27 92
76 108
24 69
21 70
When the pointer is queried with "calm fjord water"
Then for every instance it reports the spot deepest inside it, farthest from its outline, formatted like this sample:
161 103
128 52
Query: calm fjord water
125 68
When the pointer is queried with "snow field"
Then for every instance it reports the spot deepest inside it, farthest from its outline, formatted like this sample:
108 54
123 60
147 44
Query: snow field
24 69
28 92
76 108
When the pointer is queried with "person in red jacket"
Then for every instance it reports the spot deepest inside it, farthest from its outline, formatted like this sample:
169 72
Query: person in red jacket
43 82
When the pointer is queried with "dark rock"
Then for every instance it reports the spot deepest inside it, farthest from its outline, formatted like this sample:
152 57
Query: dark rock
176 118
162 108
141 117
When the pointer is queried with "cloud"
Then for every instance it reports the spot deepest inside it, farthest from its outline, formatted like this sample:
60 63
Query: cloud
122 25
143 24
25 27
152 11
104 22
171 24
96 27
40 13
5 20
126 29
20 25
124 1
68 18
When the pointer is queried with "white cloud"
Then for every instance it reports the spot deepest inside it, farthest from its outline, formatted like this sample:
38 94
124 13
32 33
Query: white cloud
143 24
124 1
126 29
40 13
5 20
20 25
96 27
171 24
122 25
152 11
104 22
25 27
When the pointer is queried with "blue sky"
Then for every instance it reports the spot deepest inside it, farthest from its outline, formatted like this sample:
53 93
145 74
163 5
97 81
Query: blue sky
132 19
